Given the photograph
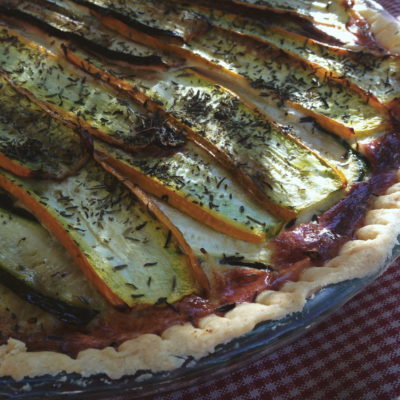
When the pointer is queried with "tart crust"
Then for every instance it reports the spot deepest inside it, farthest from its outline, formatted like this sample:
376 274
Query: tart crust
363 256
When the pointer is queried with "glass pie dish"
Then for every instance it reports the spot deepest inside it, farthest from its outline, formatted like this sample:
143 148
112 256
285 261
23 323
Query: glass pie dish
265 338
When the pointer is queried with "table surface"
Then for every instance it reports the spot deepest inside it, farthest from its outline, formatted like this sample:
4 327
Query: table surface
354 354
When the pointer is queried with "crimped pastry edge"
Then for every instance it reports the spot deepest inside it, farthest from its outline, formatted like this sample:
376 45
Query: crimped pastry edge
358 258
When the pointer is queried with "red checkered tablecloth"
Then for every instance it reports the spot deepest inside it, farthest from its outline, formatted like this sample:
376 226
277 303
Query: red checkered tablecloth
393 6
354 354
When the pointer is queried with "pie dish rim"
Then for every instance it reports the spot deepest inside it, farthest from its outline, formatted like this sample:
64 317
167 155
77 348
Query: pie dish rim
358 259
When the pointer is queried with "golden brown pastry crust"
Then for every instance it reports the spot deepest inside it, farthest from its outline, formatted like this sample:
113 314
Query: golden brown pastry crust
358 258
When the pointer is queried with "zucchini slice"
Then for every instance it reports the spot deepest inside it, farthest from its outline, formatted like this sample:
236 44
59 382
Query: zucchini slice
175 28
30 139
332 13
330 147
279 166
336 151
272 72
210 245
77 98
190 180
174 24
84 30
146 15
128 255
36 267
267 71
331 17
127 86
375 74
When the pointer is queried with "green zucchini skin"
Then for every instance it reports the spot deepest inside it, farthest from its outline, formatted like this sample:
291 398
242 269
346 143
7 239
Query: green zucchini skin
63 311
272 72
326 22
267 154
338 151
262 153
78 32
77 98
113 237
374 73
268 71
189 176
31 139
35 267
175 28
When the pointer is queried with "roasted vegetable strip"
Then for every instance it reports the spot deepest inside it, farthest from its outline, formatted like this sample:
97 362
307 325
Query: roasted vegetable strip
216 244
85 31
330 147
192 182
337 18
78 98
110 235
30 139
38 269
179 242
378 75
374 74
180 26
278 166
268 71
351 164
150 126
238 158
329 13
